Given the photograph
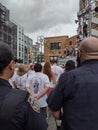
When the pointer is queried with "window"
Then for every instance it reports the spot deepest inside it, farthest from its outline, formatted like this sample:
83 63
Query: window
70 43
2 16
53 58
19 48
5 37
19 54
9 30
9 39
5 28
55 46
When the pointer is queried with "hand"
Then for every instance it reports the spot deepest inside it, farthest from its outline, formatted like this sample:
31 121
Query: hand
36 97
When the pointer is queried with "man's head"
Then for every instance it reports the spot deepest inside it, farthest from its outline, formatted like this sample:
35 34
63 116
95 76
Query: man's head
54 62
6 61
37 67
88 49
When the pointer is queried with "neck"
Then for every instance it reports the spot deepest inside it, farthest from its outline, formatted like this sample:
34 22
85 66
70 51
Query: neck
3 77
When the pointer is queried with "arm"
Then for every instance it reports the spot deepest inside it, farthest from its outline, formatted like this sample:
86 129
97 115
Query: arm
45 89
56 98
28 89
42 93
54 78
14 84
55 114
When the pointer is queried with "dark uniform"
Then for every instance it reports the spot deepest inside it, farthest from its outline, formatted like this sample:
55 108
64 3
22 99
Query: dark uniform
15 111
77 93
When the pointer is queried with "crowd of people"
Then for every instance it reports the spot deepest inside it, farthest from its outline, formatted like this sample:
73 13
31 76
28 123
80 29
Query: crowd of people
29 93
37 80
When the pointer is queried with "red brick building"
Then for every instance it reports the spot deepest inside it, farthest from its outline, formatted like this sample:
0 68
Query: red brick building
59 46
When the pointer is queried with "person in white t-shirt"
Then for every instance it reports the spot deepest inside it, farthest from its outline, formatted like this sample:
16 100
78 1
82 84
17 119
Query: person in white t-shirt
56 69
52 78
30 70
21 77
12 79
37 85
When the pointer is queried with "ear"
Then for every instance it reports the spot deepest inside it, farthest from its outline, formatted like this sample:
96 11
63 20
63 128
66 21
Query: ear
79 53
11 65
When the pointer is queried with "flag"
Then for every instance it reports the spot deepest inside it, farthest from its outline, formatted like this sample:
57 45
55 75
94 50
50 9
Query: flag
30 53
37 45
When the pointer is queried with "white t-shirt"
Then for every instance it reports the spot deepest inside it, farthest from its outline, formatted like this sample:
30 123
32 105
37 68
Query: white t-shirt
11 82
12 79
21 81
52 85
30 72
57 70
37 82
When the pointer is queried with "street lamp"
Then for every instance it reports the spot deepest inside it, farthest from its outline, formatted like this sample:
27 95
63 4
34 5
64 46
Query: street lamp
40 40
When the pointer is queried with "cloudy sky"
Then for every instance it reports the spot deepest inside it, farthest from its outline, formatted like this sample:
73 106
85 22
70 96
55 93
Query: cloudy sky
44 17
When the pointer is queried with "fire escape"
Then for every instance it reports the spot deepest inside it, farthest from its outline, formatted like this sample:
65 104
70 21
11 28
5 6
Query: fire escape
87 19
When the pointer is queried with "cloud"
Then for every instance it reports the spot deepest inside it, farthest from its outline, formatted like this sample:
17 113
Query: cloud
42 15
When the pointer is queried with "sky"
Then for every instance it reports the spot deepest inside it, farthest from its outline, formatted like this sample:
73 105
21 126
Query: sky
46 18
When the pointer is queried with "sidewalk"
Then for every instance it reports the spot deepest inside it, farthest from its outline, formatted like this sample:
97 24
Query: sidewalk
51 123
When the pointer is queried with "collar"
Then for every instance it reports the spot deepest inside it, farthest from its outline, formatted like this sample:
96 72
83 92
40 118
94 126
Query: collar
91 61
4 83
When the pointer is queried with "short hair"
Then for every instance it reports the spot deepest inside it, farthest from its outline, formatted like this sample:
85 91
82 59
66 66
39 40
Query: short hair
38 67
6 55
70 64
54 61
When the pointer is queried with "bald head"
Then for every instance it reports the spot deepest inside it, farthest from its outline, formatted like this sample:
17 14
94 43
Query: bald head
89 46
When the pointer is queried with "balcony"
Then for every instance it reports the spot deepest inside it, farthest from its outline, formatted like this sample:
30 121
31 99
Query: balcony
94 20
94 32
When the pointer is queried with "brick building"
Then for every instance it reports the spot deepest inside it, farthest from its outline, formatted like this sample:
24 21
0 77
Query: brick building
60 46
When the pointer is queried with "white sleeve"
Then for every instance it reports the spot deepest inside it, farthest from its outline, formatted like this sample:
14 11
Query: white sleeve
28 82
47 82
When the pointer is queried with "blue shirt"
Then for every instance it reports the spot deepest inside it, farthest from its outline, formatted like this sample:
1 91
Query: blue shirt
77 93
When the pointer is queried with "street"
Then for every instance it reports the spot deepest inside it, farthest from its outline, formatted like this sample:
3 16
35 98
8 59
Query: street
51 123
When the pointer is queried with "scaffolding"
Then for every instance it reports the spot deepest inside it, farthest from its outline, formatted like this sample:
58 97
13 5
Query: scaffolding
87 19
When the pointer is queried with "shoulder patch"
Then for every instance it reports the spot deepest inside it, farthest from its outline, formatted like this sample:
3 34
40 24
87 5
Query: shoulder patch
33 104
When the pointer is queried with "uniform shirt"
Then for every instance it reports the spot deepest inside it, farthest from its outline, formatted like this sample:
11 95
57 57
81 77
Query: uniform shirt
37 82
24 117
77 93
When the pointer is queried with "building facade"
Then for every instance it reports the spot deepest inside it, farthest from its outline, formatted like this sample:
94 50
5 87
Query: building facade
28 50
8 30
20 43
87 19
58 47
13 34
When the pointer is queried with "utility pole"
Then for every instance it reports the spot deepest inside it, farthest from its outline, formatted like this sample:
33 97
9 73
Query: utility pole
40 40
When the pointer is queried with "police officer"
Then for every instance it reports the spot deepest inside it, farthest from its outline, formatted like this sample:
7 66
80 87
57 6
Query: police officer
18 111
77 91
